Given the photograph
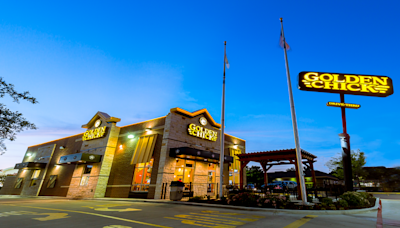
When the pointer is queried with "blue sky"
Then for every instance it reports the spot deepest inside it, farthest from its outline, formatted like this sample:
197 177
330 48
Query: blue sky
136 60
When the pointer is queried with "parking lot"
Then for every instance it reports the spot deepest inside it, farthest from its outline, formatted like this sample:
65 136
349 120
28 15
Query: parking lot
37 212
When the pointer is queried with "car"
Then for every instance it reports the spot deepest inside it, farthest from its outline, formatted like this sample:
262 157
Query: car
250 186
281 184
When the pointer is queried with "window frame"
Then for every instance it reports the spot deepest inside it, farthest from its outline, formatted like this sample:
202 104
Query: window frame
142 186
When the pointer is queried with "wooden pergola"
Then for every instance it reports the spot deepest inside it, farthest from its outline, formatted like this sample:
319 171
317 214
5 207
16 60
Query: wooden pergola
267 159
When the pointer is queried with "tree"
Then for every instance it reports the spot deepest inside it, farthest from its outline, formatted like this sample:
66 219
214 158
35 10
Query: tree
358 160
12 122
293 169
2 179
255 175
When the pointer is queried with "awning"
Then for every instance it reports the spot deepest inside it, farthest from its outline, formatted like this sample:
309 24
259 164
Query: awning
30 165
144 149
198 155
80 157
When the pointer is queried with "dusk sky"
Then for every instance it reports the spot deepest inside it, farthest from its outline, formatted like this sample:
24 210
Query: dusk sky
137 60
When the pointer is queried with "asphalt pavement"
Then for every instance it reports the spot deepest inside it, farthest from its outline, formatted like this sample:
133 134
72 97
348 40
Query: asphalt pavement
60 213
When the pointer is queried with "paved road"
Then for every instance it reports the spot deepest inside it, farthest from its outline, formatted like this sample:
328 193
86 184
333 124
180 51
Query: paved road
60 213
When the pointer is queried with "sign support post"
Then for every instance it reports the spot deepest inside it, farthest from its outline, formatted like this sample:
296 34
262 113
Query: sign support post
346 152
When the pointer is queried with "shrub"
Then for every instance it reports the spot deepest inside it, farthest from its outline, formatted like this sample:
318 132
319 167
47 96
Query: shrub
196 198
273 200
355 199
342 203
364 194
243 199
223 199
327 201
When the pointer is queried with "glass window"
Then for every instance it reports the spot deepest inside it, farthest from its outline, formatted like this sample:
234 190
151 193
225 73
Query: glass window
142 176
234 177
85 175
52 181
18 183
88 169
211 180
84 180
35 173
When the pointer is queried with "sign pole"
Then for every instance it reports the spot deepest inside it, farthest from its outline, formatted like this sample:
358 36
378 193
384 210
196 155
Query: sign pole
294 122
221 156
346 153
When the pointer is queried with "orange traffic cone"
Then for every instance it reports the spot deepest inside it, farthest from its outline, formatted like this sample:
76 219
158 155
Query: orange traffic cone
379 220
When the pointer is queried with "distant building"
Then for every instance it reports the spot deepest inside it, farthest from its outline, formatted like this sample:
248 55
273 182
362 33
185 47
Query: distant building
380 178
9 171
323 179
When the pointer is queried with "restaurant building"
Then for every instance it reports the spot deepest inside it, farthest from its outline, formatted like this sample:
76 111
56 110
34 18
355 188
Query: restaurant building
137 160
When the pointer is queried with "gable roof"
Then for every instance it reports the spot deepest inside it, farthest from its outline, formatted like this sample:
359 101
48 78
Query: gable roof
102 115
197 113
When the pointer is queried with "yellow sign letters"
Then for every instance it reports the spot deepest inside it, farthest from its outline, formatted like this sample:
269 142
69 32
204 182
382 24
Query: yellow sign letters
369 85
202 132
94 133
345 105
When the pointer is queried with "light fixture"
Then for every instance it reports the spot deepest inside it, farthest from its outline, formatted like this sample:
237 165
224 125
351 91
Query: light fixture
179 169
28 154
131 136
148 129
121 147
188 175
235 146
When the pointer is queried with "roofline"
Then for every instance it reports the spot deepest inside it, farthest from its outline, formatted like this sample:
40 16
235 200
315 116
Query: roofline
196 113
55 140
143 121
234 137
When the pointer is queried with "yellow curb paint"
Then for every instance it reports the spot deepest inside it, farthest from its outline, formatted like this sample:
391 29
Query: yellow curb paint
100 215
301 221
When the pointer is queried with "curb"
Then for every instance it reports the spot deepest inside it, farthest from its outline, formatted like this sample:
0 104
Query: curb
275 211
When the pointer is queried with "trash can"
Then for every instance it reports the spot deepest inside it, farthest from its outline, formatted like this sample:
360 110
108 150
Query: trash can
176 192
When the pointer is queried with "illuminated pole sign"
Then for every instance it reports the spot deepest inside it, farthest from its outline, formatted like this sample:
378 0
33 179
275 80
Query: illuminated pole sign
367 85
355 84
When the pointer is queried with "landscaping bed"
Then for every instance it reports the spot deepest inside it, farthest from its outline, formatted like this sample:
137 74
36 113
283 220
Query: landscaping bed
349 200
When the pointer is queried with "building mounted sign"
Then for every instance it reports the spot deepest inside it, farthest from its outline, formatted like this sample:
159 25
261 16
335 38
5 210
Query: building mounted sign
202 132
367 85
94 133
343 105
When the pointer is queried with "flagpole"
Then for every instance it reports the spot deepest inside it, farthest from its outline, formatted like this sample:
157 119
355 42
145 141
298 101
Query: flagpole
221 156
294 122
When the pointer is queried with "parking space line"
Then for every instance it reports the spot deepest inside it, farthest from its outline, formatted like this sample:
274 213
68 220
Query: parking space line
301 221
100 215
